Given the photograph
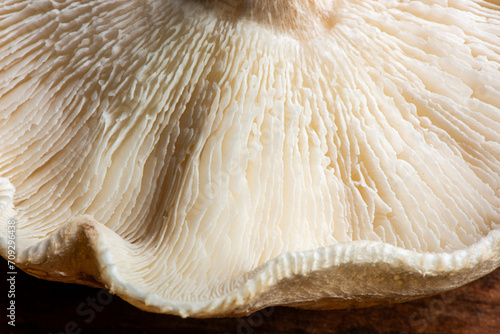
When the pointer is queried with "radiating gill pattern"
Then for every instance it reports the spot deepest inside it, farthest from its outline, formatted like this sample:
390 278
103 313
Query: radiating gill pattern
213 146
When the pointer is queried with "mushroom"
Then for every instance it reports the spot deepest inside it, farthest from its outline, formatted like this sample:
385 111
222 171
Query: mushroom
212 158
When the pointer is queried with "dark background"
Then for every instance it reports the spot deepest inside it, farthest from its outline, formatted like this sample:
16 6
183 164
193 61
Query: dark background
51 307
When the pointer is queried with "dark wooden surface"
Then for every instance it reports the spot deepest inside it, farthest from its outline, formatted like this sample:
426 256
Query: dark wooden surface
50 307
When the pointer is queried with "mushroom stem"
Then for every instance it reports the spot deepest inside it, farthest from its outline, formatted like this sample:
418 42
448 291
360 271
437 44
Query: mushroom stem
300 18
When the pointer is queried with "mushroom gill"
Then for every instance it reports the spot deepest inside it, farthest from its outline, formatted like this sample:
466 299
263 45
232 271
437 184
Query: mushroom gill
209 158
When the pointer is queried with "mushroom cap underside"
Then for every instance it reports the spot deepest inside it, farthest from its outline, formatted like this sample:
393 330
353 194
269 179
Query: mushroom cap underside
201 163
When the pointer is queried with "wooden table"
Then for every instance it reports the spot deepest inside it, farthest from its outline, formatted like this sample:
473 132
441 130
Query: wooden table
50 307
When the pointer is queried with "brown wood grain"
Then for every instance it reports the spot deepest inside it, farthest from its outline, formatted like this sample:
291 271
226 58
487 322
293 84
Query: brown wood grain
51 307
